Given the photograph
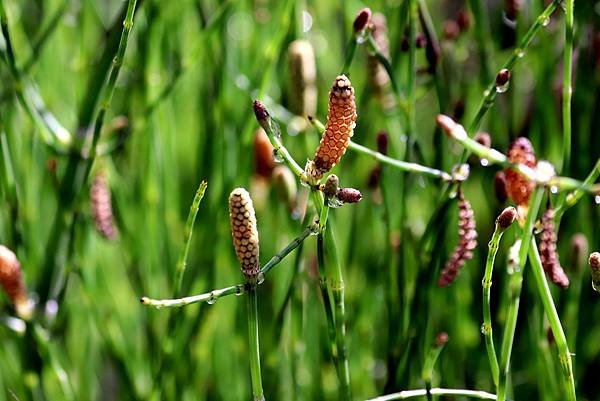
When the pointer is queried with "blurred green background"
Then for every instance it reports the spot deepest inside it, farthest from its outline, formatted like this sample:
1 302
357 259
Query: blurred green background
190 73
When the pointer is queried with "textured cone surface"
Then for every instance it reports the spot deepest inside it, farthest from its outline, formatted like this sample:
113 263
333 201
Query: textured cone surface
303 73
338 130
244 232
11 277
519 188
467 242
548 253
101 206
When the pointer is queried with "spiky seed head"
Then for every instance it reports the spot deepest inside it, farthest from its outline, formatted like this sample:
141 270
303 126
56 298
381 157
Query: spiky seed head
349 195
303 75
519 188
101 206
595 270
264 161
362 19
506 218
260 111
341 121
11 279
244 232
548 251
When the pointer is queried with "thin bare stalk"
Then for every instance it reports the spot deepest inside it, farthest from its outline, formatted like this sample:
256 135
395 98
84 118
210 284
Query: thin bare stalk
564 355
567 89
187 236
403 395
575 196
515 284
252 304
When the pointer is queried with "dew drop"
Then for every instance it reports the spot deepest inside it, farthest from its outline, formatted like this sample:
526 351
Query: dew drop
277 156
502 88
597 199
520 53
554 189
212 300
260 278
239 290
545 21
596 285
484 162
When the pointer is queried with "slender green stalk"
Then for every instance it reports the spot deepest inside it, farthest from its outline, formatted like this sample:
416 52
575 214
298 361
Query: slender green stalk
515 285
251 302
350 50
483 38
411 88
458 133
399 164
567 89
429 364
403 395
574 197
489 95
187 236
52 133
486 283
564 355
77 172
374 48
237 289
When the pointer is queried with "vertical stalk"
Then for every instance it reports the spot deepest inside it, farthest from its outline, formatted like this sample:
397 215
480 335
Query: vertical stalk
252 304
515 284
564 355
486 283
187 236
567 89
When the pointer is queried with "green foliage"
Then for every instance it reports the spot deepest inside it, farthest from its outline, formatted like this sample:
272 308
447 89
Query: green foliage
189 74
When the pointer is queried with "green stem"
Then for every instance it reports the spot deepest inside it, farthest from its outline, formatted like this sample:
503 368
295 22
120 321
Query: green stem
574 197
483 38
187 236
490 93
411 89
403 395
399 164
564 355
487 317
374 48
350 50
237 289
567 90
251 302
429 364
515 285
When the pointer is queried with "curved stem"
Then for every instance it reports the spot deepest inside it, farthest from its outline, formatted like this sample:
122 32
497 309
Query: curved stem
403 395
564 355
515 285
187 236
252 304
487 317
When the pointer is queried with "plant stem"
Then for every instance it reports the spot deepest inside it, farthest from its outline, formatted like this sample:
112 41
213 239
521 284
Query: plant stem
515 285
237 289
564 355
490 93
403 395
251 302
574 197
429 364
187 236
399 164
350 50
567 89
487 317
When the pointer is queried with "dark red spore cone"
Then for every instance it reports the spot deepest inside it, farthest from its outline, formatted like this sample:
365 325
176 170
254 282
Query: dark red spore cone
362 19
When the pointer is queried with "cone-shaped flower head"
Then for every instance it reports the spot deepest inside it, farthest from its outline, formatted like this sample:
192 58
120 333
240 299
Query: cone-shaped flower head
595 270
11 280
341 121
303 74
244 232
519 188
